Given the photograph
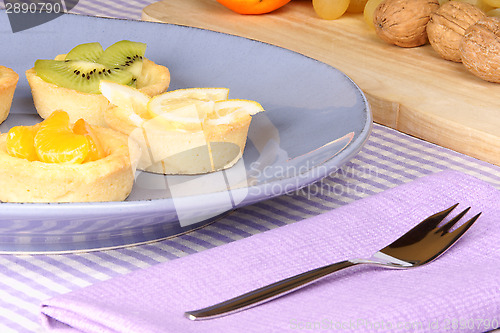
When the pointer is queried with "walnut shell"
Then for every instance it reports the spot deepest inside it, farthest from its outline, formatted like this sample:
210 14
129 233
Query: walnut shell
447 26
480 49
403 22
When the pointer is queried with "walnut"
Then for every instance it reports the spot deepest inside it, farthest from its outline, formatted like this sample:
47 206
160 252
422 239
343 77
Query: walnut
480 49
447 26
403 22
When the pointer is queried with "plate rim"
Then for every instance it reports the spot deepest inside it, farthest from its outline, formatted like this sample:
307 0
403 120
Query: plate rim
150 205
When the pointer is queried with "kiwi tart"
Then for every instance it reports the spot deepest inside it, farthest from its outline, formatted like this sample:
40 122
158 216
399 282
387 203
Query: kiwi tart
70 82
8 82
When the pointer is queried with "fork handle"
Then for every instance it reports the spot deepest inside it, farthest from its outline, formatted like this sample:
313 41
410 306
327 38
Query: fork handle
267 293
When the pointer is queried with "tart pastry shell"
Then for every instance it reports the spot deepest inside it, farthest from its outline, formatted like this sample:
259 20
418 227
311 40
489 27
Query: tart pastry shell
178 152
108 179
8 83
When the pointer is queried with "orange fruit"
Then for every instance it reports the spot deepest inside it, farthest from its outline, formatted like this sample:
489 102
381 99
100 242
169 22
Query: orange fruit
20 142
253 6
96 150
55 141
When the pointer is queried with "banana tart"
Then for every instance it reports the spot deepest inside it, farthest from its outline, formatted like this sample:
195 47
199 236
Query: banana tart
56 161
184 131
8 82
70 82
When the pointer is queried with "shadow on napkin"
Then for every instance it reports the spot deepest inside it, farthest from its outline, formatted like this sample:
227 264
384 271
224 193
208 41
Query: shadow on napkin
458 292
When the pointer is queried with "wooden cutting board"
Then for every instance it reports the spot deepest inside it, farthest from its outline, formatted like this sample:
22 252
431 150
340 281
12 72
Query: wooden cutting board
411 90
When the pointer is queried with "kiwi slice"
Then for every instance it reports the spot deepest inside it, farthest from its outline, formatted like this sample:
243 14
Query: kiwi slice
79 75
124 55
87 52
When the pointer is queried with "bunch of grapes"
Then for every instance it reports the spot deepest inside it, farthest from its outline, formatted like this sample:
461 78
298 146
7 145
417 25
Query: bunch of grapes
333 9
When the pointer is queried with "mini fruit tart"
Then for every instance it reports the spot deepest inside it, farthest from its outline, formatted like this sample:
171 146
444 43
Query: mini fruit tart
55 161
8 82
184 131
70 82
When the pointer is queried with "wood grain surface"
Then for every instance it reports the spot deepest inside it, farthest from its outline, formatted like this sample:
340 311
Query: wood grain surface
412 90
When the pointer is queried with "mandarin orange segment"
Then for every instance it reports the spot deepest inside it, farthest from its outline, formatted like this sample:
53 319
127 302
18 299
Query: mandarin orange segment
20 142
96 150
55 141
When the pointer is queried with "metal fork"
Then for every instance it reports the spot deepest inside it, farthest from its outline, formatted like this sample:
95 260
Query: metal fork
422 244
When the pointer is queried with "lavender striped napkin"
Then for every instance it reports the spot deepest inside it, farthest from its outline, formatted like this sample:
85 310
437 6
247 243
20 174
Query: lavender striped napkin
459 292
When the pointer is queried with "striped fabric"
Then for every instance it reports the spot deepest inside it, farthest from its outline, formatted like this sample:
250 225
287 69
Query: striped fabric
118 9
389 159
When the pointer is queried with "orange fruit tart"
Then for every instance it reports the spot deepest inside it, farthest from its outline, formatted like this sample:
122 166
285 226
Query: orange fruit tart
56 161
8 82
70 82
184 131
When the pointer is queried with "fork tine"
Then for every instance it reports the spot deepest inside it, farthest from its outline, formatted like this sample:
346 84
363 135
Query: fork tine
464 227
445 228
432 221
420 231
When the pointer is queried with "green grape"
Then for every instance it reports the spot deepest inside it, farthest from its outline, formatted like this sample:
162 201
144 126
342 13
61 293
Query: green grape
330 9
494 12
370 7
356 6
493 3
485 7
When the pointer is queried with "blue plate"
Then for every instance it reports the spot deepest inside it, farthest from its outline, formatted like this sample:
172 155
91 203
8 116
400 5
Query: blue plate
316 119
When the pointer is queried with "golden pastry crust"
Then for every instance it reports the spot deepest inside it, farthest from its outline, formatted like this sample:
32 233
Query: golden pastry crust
107 179
8 82
182 152
48 97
